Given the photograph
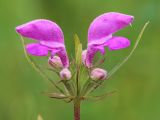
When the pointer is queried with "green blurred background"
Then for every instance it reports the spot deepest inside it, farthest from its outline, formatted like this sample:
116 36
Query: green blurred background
137 82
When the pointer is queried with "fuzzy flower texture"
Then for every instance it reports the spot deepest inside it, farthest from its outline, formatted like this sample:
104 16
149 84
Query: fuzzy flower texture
49 40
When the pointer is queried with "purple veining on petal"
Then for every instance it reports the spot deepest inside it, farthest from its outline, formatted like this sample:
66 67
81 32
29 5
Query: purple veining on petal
37 49
41 29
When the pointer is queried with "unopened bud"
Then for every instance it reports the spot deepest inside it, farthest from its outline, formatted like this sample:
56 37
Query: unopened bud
65 74
84 53
55 62
98 74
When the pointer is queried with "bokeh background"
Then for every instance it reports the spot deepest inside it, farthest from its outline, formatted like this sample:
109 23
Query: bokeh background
137 82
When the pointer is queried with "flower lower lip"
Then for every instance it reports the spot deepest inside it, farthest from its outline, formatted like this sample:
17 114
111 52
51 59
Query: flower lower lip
100 41
52 44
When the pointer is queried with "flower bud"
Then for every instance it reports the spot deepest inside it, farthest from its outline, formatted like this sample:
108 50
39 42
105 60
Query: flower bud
84 53
55 62
98 74
65 74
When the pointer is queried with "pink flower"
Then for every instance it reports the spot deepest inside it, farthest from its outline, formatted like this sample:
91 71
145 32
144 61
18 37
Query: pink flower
65 74
98 74
55 62
100 34
49 38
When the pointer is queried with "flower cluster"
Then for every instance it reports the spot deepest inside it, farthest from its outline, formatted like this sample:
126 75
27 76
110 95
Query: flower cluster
49 41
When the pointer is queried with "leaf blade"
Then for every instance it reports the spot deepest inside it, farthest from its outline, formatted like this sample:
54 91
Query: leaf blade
131 52
79 55
78 50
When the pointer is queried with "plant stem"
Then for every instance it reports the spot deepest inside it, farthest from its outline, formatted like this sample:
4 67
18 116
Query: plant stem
77 110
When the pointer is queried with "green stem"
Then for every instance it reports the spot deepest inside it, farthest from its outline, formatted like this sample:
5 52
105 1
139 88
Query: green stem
68 87
78 79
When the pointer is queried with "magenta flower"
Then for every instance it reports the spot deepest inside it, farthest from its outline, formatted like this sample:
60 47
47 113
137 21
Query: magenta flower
49 38
100 34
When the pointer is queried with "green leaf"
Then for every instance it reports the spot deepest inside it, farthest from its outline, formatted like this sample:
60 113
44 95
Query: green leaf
69 87
76 42
91 85
79 55
100 97
131 52
37 67
39 117
78 50
56 95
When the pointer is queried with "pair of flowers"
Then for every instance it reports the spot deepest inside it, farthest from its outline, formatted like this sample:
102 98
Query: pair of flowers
49 39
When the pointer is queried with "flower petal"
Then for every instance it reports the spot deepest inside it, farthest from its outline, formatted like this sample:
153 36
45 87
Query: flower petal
59 49
52 44
36 49
107 24
41 29
64 57
117 43
91 51
84 53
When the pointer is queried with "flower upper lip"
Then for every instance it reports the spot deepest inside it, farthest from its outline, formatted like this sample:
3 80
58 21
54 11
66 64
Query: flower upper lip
42 30
49 37
100 34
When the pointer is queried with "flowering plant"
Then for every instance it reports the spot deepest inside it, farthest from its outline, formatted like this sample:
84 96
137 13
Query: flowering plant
49 41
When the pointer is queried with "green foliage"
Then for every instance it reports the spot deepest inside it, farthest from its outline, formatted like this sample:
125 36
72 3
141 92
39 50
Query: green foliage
78 50
131 52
